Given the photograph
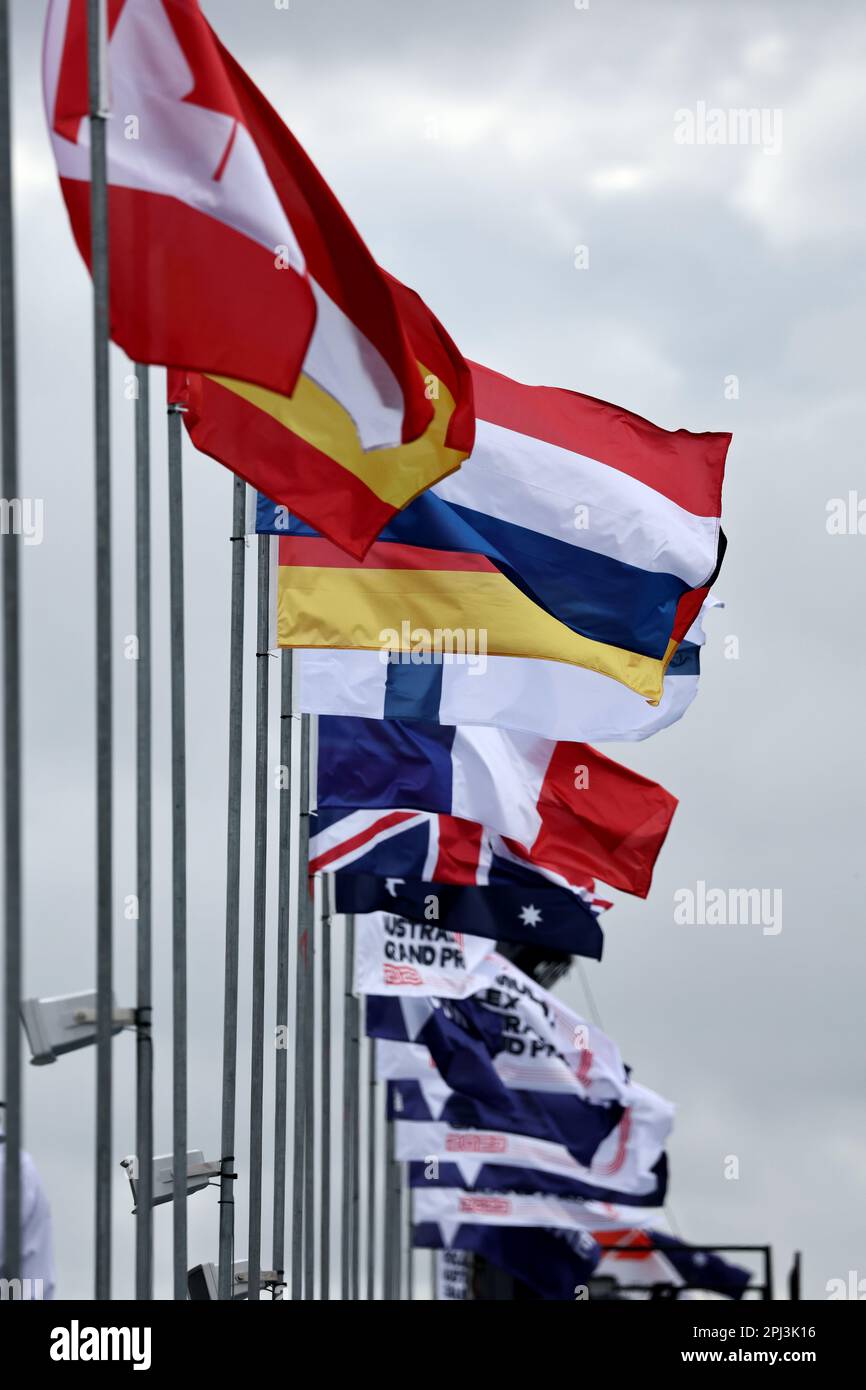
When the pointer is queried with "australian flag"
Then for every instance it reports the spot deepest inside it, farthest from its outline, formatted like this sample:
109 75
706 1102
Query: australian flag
453 872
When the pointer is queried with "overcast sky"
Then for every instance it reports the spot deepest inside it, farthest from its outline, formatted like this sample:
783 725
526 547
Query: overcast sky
476 146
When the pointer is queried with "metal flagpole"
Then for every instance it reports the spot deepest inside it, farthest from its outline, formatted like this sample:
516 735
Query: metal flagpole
178 853
97 102
410 1262
347 1249
233 873
257 1046
303 991
144 789
397 1222
371 1170
12 858
391 1288
310 1118
325 1186
355 1078
281 1065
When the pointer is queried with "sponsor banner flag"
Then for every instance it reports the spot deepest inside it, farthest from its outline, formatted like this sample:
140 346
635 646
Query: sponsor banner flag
629 1166
405 845
564 806
231 257
649 1257
530 1038
393 956
574 532
547 698
557 1265
498 1177
450 1208
567 1120
546 917
453 1276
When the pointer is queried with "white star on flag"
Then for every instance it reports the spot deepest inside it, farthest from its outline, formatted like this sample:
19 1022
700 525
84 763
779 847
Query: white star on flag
530 916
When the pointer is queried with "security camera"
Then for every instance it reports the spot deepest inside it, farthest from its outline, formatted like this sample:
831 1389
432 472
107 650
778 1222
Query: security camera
203 1281
65 1023
198 1174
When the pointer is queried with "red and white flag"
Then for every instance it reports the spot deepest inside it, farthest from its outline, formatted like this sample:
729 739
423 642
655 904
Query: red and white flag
229 254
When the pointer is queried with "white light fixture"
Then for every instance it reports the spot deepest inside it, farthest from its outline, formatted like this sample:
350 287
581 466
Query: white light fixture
198 1174
64 1023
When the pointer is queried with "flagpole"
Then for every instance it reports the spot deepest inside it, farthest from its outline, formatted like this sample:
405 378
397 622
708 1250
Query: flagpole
397 1222
371 1171
281 1063
325 1162
144 791
410 1270
96 55
309 1064
260 860
302 992
178 853
347 1249
391 1287
355 1076
12 857
233 872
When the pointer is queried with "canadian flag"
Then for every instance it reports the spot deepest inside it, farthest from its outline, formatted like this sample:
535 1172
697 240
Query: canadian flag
228 252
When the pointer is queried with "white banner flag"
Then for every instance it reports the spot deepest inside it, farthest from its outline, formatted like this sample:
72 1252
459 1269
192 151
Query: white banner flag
451 1207
622 1163
393 956
453 1275
546 1045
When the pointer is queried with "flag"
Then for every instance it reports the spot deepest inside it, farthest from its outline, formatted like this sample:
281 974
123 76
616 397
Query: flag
545 917
629 1166
575 532
406 845
547 698
230 256
561 805
532 1093
648 1257
450 1208
453 1276
307 452
393 956
498 1177
557 1265
529 1037
577 1125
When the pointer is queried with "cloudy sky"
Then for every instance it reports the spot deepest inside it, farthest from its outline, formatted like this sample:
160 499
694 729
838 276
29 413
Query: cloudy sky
476 147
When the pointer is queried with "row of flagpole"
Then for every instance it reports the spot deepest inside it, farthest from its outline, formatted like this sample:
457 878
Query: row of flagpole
314 929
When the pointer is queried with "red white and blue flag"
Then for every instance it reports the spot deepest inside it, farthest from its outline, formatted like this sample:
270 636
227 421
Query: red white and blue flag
559 806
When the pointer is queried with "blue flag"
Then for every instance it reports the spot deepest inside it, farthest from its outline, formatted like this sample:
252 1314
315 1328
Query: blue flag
527 912
554 1264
